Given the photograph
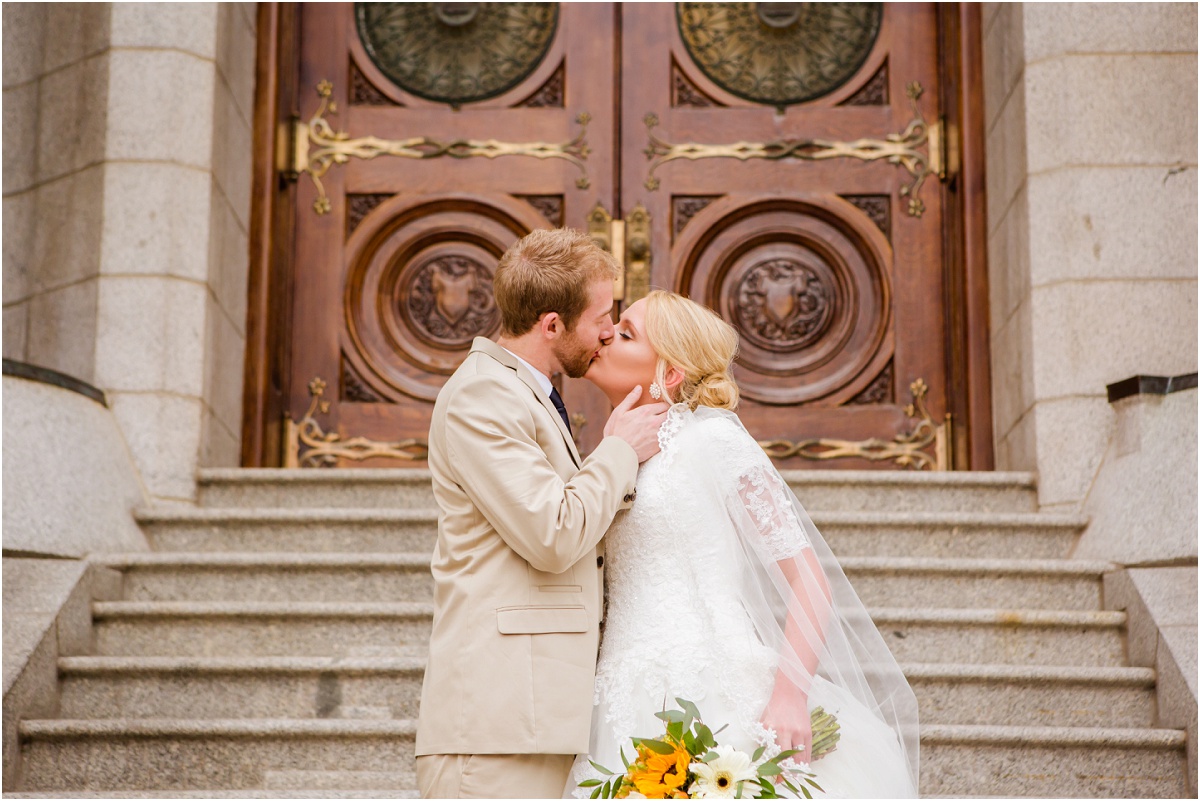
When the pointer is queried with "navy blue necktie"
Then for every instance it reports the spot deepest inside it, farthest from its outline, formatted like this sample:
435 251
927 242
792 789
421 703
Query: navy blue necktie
556 399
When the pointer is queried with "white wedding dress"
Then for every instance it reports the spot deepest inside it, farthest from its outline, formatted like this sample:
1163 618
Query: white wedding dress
696 608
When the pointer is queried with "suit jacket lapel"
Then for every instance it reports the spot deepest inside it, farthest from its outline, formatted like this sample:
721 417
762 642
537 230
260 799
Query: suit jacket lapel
486 346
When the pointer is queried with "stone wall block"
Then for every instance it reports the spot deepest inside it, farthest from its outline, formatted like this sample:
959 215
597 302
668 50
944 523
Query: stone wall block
1059 28
161 108
72 118
1071 434
1114 110
1017 450
1003 59
62 330
163 432
16 322
1007 159
237 47
68 218
190 27
219 447
1091 334
20 137
232 150
151 335
162 226
1012 370
75 31
24 41
19 226
229 261
224 348
1113 223
1008 262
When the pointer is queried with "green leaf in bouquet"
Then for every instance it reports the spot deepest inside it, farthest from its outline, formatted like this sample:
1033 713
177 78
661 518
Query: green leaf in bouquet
769 769
710 756
705 735
606 791
624 758
670 715
657 746
804 790
689 742
590 783
758 752
596 792
813 782
688 707
600 768
782 755
675 730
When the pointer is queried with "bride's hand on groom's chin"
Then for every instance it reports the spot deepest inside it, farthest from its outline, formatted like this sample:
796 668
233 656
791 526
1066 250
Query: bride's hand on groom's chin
637 426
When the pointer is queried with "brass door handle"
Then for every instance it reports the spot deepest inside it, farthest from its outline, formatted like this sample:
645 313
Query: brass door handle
629 243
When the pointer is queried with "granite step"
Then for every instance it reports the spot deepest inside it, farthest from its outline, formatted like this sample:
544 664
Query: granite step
908 534
272 577
339 687
1003 636
1064 584
224 755
330 793
290 530
972 535
386 577
1033 695
1045 762
818 489
131 755
182 628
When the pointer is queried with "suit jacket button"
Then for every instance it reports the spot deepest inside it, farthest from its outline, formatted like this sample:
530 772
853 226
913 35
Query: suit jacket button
630 496
599 561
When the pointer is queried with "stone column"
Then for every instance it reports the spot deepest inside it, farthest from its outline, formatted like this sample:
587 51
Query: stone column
126 242
1091 160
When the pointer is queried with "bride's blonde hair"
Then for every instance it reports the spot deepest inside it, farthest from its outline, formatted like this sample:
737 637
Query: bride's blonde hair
695 339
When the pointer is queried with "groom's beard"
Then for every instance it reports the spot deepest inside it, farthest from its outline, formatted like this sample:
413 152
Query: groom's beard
574 356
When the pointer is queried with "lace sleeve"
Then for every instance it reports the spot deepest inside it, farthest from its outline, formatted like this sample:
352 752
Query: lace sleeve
768 500
753 487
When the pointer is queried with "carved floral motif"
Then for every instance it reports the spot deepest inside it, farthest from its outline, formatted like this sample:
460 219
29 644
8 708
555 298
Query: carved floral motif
878 208
783 304
874 92
878 391
363 93
360 207
550 95
685 207
450 301
354 389
549 206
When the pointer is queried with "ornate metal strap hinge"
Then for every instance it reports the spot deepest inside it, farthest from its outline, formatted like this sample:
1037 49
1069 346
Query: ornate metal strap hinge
902 149
324 449
313 147
629 242
907 450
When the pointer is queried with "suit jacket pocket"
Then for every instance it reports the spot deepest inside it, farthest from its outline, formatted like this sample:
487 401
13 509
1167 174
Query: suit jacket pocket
541 619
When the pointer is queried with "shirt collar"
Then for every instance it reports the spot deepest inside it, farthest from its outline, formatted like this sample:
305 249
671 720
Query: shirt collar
542 379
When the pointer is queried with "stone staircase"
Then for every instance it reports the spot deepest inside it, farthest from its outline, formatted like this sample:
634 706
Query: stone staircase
271 644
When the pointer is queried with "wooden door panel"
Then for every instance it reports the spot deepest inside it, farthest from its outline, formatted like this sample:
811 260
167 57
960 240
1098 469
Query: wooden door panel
394 281
835 289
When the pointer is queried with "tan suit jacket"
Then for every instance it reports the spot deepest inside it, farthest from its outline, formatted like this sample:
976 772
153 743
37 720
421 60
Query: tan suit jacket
518 571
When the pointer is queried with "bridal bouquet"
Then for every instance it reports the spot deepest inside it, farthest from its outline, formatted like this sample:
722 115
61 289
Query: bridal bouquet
686 762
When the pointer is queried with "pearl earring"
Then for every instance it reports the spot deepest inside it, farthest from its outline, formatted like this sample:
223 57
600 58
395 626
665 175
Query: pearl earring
655 390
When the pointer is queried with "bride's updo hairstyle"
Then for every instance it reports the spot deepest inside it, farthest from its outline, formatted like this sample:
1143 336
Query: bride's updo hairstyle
695 339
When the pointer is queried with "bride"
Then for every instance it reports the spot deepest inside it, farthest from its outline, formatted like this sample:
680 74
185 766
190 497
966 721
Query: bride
721 591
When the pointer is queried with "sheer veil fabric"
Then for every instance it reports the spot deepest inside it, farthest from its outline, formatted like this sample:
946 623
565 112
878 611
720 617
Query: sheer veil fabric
719 585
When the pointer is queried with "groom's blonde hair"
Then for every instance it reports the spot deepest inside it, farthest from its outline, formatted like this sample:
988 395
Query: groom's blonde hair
695 339
548 271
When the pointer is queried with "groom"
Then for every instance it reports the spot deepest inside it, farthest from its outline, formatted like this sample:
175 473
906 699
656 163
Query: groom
518 569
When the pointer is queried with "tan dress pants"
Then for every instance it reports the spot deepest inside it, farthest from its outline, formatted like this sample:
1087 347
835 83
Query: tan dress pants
493 775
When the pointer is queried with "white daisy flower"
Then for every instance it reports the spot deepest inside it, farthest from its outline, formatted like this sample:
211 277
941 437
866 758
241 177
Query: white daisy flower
720 777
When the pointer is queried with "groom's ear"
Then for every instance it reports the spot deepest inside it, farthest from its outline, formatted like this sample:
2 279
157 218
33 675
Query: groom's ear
550 324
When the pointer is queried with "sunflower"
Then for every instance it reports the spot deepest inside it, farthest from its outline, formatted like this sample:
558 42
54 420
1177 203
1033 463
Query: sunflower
658 775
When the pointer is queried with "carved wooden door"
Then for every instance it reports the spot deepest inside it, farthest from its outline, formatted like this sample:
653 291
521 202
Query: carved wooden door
774 161
756 137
